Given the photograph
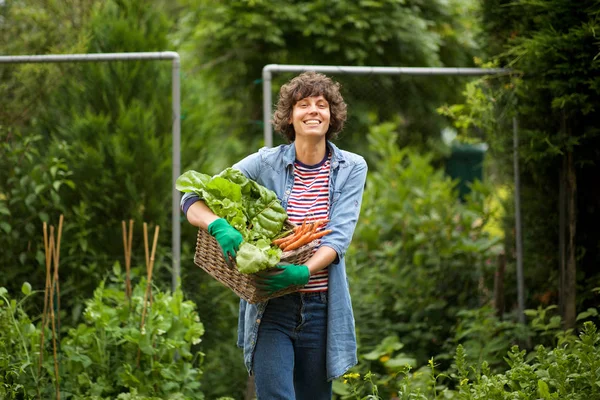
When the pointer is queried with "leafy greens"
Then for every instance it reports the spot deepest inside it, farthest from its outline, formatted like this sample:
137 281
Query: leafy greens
249 207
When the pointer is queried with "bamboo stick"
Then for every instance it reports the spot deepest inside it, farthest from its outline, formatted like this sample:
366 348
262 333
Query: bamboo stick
48 255
127 239
56 255
128 272
149 269
146 244
56 375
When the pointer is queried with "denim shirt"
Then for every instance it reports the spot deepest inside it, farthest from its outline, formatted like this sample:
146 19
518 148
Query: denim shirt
274 169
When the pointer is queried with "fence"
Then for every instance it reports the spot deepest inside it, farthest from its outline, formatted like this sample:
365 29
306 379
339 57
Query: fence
382 82
176 129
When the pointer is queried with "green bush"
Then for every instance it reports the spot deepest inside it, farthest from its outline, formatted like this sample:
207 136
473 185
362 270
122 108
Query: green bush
570 370
19 343
419 255
108 356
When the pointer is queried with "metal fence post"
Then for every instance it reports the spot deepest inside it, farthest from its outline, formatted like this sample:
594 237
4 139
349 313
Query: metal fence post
176 129
267 107
518 231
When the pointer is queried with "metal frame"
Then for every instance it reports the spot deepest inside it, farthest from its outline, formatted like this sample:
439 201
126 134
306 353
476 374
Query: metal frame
176 96
270 69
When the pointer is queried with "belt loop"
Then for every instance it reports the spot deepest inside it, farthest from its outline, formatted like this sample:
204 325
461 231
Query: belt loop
323 296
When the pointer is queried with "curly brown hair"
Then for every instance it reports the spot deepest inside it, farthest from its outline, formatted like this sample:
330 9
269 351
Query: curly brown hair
309 84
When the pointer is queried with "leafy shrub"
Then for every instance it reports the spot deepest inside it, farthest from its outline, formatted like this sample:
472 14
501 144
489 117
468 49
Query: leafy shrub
108 356
419 255
486 337
19 341
31 183
570 370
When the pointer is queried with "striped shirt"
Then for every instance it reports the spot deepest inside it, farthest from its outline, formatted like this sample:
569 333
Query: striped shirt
309 200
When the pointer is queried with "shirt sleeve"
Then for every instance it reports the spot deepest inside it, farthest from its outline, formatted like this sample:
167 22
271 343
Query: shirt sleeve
346 209
249 166
187 200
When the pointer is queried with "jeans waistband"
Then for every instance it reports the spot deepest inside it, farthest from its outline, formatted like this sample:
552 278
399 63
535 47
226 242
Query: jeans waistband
307 295
313 295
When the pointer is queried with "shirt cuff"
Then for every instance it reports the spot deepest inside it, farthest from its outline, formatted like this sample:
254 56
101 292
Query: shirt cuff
188 202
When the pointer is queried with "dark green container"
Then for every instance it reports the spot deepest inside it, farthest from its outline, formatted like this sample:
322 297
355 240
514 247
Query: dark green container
466 165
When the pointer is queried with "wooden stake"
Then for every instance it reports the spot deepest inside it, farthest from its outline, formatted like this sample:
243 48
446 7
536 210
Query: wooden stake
149 269
127 239
56 255
56 376
146 244
48 254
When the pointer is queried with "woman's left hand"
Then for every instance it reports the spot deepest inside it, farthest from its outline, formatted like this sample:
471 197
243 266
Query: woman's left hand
281 277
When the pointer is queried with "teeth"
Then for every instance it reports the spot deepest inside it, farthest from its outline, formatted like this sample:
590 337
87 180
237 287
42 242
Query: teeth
312 122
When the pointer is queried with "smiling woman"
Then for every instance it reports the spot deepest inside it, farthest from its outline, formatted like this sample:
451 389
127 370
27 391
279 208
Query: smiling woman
308 85
296 344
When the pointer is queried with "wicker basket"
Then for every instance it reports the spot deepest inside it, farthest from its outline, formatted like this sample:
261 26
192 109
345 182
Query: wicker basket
209 257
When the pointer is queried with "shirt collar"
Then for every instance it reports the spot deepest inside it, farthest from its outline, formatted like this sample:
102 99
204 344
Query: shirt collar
337 157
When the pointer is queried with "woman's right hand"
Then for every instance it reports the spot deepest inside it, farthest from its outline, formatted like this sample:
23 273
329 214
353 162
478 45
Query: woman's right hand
227 236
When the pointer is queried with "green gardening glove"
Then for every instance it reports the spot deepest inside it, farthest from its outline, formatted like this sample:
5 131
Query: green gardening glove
227 236
281 277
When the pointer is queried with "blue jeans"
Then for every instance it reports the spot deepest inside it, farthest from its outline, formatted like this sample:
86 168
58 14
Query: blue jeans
289 358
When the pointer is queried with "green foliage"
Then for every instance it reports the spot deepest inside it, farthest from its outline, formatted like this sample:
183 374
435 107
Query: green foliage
31 187
19 341
552 49
566 372
569 371
37 27
226 45
419 254
109 355
486 337
95 146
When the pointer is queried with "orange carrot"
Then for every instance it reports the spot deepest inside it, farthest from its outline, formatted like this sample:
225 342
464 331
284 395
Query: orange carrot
303 228
320 222
288 240
318 235
282 240
305 239
300 233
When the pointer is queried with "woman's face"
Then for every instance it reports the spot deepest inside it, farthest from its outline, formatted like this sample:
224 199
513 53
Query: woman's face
310 117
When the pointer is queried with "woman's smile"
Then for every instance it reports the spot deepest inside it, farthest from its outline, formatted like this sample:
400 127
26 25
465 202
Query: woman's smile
310 116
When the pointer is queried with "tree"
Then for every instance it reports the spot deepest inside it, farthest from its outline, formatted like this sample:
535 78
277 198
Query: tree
553 49
228 43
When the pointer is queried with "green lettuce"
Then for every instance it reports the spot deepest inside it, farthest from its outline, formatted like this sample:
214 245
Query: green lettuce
254 257
249 207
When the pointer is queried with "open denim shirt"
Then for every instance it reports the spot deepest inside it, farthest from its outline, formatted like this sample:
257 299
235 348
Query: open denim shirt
274 169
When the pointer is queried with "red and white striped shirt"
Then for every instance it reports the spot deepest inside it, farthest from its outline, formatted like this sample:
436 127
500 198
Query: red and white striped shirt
309 200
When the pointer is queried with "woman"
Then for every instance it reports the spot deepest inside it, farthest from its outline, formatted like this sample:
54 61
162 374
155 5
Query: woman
296 344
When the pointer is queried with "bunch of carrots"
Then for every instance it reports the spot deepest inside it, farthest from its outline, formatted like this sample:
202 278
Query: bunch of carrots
301 235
